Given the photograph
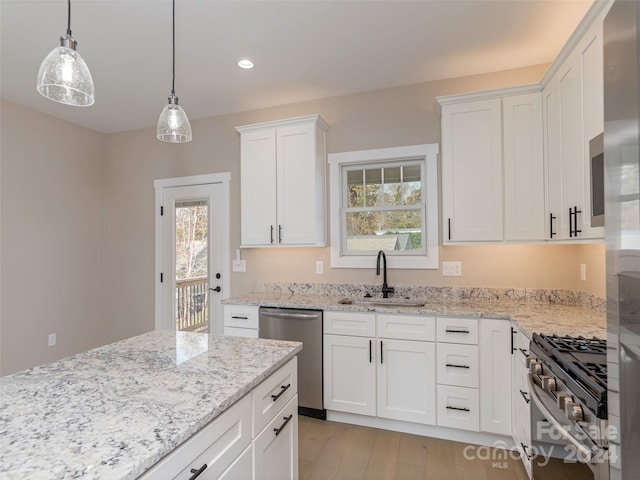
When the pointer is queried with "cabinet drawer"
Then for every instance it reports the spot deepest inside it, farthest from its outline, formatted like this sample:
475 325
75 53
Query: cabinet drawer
406 327
457 330
458 407
241 332
276 448
273 393
350 323
240 316
217 445
457 365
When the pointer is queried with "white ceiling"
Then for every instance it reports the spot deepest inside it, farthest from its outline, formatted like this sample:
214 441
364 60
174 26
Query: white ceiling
302 50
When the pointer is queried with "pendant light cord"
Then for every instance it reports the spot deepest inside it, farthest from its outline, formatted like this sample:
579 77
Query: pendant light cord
173 81
69 17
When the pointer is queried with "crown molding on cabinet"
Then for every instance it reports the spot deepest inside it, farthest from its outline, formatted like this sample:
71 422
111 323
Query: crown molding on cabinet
320 122
486 94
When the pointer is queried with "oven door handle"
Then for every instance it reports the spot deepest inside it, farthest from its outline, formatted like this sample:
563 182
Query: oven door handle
584 451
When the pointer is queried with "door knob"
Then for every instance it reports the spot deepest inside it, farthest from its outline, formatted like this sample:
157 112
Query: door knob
217 289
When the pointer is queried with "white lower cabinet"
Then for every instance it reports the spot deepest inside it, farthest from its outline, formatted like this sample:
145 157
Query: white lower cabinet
240 320
385 377
521 400
276 447
232 448
495 376
349 374
406 381
458 407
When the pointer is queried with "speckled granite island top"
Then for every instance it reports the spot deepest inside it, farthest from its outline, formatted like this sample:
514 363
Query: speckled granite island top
531 317
113 412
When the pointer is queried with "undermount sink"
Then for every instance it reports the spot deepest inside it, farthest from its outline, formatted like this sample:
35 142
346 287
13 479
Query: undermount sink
382 302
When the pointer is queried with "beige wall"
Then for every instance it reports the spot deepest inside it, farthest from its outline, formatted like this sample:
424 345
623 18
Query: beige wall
52 238
114 250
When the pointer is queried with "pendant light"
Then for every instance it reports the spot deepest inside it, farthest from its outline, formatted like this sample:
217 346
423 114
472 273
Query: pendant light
173 124
64 76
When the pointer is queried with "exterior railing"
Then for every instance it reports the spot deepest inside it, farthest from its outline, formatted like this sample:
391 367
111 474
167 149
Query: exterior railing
192 304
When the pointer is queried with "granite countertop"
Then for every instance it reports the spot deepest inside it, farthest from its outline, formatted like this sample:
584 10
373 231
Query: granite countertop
531 317
113 412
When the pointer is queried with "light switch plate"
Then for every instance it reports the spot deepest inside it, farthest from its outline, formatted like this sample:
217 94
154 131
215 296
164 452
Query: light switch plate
239 266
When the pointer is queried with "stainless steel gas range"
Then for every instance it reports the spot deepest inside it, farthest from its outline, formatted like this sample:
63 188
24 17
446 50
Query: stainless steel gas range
568 386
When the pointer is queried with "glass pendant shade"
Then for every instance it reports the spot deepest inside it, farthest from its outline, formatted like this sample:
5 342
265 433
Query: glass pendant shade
173 124
64 76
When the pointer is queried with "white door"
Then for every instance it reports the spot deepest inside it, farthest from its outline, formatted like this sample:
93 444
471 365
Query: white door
192 266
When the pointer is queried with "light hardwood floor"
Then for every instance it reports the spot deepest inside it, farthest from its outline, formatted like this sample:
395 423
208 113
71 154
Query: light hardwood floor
330 450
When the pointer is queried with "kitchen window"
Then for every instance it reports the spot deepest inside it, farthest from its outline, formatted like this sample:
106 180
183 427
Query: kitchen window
384 199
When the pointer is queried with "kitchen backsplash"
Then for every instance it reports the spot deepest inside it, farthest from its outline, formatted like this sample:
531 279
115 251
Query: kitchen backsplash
516 295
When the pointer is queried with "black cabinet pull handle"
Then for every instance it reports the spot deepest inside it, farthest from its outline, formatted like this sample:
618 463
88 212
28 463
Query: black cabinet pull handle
462 409
524 449
513 332
449 225
279 233
197 472
453 330
551 219
271 233
575 221
286 420
284 389
240 318
456 366
370 351
381 357
524 352
524 395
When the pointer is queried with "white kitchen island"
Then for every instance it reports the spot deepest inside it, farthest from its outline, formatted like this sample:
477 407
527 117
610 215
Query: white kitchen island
116 411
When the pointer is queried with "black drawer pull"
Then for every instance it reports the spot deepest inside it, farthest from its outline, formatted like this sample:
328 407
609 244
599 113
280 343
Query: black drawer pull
286 420
454 330
240 318
370 351
197 472
524 449
284 389
457 366
524 395
462 409
524 352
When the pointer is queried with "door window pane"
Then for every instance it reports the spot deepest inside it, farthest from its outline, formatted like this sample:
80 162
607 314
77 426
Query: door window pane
192 265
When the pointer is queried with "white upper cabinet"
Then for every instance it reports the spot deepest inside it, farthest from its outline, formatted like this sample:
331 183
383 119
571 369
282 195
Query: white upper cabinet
523 167
573 115
282 169
472 171
492 166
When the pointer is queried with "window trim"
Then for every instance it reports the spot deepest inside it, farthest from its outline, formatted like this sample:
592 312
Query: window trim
429 154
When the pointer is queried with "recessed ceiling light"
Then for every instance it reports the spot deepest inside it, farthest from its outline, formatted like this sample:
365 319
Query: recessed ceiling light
245 63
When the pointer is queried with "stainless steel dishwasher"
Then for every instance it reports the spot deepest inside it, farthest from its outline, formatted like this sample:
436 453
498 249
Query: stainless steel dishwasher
304 326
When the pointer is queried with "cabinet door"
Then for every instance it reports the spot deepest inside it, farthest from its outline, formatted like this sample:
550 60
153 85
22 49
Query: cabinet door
556 219
472 171
591 59
407 381
258 187
523 167
349 374
276 448
495 376
297 185
241 468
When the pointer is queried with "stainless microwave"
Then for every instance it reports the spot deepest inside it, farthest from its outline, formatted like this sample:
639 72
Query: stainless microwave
596 155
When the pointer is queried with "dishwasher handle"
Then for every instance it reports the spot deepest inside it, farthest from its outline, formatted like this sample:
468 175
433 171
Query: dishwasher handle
291 316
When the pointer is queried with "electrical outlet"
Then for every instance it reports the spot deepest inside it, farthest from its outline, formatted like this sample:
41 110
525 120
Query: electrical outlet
583 272
319 267
52 339
451 269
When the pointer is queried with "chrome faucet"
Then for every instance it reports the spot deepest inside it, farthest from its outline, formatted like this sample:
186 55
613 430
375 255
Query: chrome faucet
386 289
